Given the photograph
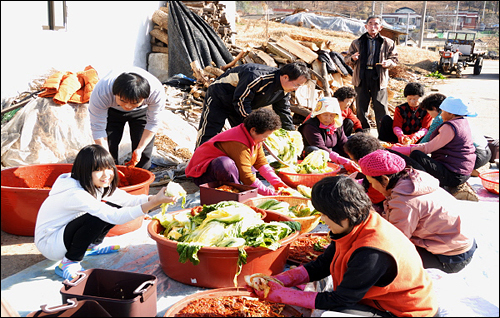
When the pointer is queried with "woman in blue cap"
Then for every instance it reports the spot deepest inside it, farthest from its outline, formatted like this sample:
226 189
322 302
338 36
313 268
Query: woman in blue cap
451 149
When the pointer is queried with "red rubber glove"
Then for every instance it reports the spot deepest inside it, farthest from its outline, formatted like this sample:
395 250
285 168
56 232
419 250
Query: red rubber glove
136 157
293 277
289 296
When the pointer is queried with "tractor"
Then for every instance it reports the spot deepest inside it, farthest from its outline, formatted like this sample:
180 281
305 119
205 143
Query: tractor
461 50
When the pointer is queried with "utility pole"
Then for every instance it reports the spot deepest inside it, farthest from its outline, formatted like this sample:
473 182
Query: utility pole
373 8
382 8
422 26
456 18
407 28
484 8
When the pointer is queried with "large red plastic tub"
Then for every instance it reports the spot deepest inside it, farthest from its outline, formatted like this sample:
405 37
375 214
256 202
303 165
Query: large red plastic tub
24 189
218 265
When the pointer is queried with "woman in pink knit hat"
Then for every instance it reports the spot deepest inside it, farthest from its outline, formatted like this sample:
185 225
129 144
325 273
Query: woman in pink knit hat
426 213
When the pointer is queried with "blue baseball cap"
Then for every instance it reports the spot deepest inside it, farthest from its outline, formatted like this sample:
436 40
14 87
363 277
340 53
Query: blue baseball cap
457 107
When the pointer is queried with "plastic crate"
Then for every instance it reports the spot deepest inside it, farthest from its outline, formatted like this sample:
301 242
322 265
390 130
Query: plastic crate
210 195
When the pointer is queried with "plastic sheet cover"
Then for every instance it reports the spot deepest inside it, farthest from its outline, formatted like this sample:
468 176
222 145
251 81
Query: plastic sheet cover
190 38
307 20
45 132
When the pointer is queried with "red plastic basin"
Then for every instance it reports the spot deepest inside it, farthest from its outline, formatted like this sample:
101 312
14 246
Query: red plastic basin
308 179
218 265
24 189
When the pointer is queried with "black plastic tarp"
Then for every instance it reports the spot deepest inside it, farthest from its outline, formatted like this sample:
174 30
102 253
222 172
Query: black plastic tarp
191 38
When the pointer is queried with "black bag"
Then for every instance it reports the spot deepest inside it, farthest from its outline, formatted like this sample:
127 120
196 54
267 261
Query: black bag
493 144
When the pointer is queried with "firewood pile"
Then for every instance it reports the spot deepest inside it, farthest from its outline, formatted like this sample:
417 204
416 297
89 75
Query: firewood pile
212 12
276 53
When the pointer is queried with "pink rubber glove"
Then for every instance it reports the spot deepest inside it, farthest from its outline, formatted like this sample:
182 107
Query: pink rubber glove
284 295
348 164
293 277
419 134
405 150
261 188
399 133
268 173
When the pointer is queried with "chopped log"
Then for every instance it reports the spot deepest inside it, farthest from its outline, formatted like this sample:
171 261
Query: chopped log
306 95
310 45
159 49
215 71
242 54
298 49
274 48
199 4
247 59
279 59
262 57
160 35
199 74
321 73
160 18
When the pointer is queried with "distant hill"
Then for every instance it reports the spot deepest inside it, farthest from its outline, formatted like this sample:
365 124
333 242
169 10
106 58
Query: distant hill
362 9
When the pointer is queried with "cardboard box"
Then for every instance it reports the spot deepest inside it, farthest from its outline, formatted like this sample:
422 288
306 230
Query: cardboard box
210 195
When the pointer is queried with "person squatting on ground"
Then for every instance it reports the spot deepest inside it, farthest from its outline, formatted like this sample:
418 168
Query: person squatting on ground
242 89
423 211
323 130
375 269
451 148
234 154
73 221
432 105
361 144
410 123
345 95
372 55
136 97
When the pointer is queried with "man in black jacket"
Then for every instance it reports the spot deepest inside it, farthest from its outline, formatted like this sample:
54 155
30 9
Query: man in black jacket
248 87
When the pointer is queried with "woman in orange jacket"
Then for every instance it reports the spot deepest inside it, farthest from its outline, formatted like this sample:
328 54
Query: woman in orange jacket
375 269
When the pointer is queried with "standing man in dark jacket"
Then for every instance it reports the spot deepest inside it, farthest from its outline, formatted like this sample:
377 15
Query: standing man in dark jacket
372 55
245 88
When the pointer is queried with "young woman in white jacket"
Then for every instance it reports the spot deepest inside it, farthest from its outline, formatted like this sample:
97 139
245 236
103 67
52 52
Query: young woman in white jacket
73 220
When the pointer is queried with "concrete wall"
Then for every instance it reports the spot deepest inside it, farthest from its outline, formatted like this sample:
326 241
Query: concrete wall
104 34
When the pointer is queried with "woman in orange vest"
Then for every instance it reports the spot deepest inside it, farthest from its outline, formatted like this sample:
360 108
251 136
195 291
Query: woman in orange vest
375 269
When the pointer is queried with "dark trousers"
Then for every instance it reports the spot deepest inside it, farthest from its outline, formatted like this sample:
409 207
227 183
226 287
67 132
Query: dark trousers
348 126
83 231
361 310
438 170
213 117
385 131
220 169
430 260
483 156
369 89
136 122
